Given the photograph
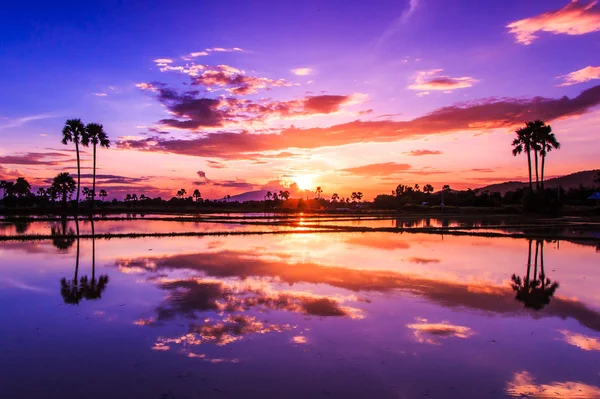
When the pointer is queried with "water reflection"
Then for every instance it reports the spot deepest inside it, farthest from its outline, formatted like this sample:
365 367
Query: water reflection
534 293
73 291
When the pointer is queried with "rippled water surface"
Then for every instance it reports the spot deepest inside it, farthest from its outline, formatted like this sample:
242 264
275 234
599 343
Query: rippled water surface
371 315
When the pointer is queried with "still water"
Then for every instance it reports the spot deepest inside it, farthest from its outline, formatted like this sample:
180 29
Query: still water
373 315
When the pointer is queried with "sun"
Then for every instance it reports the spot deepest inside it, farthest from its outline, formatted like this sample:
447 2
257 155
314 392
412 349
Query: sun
305 182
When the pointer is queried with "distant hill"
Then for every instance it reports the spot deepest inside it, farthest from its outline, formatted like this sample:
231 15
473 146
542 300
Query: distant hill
260 195
585 177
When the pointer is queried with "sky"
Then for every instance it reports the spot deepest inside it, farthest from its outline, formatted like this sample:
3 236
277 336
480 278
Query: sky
241 96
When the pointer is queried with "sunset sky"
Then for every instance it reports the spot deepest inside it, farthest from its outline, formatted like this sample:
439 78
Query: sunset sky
237 96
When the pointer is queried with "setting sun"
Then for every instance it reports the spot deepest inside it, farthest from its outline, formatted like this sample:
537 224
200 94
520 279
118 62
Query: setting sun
305 182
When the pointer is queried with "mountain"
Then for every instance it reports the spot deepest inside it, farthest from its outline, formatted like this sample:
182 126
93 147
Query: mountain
259 195
585 178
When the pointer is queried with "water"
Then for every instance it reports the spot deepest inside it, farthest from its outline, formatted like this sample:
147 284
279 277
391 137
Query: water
299 315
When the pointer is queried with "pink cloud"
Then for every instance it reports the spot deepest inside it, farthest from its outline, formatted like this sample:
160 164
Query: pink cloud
431 80
576 18
378 169
583 75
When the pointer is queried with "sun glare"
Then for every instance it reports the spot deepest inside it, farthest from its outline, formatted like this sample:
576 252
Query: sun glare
305 182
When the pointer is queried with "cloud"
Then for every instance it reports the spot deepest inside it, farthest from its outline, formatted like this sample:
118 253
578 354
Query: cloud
479 115
523 385
234 80
198 54
581 341
36 158
576 18
216 164
431 333
302 71
242 265
429 80
191 110
224 50
583 75
422 261
100 94
163 61
423 93
377 169
398 22
16 122
420 153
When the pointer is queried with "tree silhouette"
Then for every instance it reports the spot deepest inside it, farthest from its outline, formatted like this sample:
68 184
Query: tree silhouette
61 238
428 188
72 291
64 185
400 190
94 134
21 188
92 289
534 293
73 132
545 141
103 194
319 191
524 143
284 195
269 195
335 197
197 196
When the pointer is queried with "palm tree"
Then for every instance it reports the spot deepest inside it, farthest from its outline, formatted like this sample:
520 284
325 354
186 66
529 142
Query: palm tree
269 195
64 185
538 130
546 142
93 289
416 187
73 132
181 193
319 191
428 188
335 197
71 291
524 143
95 134
103 194
359 196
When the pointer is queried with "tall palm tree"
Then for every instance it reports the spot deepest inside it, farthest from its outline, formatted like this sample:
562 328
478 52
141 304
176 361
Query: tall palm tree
64 185
524 143
546 142
73 132
95 134
319 191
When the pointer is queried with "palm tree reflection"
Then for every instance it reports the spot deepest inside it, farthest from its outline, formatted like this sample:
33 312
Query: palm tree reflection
61 238
83 288
535 293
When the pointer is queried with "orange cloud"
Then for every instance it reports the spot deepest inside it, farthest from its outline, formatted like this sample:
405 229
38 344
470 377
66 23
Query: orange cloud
581 341
576 18
523 385
420 153
583 75
302 71
429 80
475 115
431 333
378 169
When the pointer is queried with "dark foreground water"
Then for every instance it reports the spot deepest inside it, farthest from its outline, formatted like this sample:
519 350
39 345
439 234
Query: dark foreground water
372 315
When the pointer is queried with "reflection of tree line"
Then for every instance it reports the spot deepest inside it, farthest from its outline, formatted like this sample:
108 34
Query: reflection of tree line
78 288
534 291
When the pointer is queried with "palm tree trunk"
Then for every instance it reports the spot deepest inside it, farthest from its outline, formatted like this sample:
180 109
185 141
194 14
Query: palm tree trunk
93 252
542 273
528 263
77 254
537 177
543 162
535 262
78 173
94 181
529 165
